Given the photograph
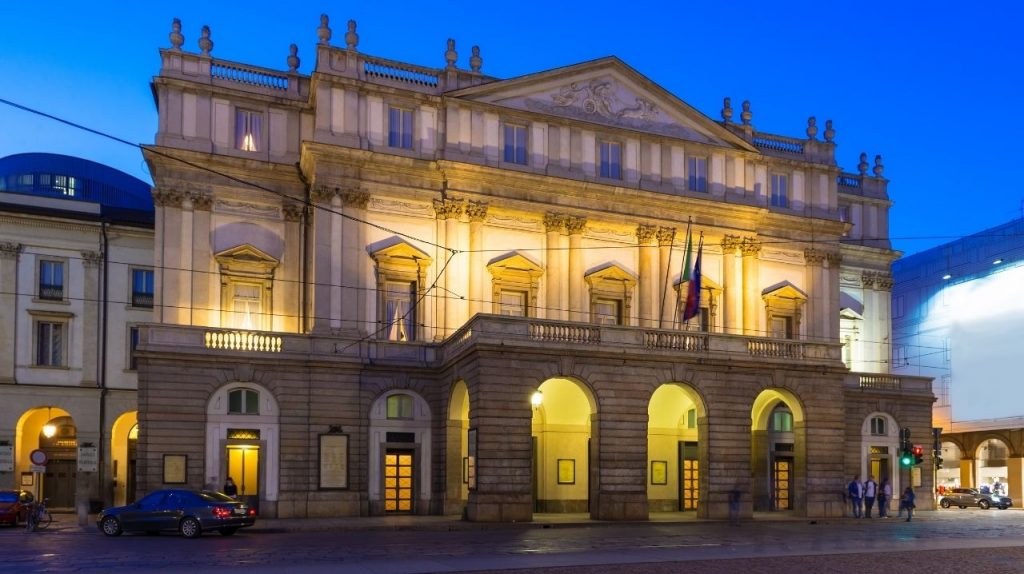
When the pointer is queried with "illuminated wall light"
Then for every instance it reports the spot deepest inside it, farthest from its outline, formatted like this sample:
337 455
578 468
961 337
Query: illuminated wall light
997 262
537 399
947 277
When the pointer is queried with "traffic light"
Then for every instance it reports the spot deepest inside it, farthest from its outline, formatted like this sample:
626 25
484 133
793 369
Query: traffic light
918 452
905 439
937 459
937 446
906 458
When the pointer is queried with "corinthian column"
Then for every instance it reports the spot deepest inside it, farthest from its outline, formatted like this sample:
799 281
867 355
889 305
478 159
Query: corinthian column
665 298
751 281
553 224
733 285
644 237
477 213
448 212
575 226
815 306
353 258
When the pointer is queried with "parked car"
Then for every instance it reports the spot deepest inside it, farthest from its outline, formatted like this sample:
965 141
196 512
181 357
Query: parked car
964 497
190 512
14 505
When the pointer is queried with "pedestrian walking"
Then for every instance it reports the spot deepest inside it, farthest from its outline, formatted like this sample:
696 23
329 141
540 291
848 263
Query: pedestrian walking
884 496
856 492
230 488
907 502
870 492
734 506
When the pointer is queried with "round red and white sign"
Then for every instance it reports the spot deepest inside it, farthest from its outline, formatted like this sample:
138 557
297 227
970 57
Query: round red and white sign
37 457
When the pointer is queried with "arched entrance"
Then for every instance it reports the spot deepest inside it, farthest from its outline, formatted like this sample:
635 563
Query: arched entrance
242 433
562 412
675 416
777 451
52 430
124 437
880 451
457 463
991 471
400 454
949 475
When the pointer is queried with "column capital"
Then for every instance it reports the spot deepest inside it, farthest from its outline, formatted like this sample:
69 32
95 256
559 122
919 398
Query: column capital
201 201
666 236
92 258
322 194
9 250
867 279
476 211
834 257
730 243
645 233
356 199
814 256
293 211
448 208
167 198
750 247
884 281
575 225
554 222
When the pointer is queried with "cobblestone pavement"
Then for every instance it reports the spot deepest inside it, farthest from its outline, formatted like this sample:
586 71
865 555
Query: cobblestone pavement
935 542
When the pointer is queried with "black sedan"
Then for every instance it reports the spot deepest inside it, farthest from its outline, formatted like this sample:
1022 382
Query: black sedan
190 512
964 497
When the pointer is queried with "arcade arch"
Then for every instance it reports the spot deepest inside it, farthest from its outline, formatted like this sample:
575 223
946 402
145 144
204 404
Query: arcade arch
778 447
561 430
676 416
949 475
991 466
457 461
124 437
242 431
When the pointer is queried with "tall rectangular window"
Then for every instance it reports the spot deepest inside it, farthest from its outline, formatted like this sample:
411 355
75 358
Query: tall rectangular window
51 280
133 343
248 130
399 298
513 303
49 344
697 169
247 306
607 312
400 128
515 144
782 328
780 190
611 160
142 288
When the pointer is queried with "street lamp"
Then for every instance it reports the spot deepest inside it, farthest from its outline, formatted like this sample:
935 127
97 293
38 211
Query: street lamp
49 429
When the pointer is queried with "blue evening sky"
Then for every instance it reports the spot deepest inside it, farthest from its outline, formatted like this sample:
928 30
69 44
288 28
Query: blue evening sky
933 87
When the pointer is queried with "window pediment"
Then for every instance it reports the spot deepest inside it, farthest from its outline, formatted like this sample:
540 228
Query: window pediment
400 253
784 290
246 260
611 273
515 264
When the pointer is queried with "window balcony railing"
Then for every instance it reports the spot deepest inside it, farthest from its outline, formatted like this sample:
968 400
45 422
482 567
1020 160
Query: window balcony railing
142 299
51 292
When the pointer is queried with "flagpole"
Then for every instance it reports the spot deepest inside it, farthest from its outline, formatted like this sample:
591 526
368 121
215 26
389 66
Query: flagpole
664 287
684 268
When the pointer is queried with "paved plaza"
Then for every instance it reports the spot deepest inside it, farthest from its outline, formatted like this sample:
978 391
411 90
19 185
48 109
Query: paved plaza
935 542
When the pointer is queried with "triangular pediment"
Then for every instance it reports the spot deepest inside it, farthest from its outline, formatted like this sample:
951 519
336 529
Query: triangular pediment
784 290
397 250
611 272
605 91
515 262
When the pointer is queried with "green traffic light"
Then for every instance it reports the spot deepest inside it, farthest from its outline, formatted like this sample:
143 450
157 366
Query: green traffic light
906 460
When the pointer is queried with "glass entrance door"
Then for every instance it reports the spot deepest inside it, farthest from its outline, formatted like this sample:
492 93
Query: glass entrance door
243 468
398 481
782 468
689 475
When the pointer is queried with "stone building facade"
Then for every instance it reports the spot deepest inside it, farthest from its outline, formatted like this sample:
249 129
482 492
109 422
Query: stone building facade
76 281
384 287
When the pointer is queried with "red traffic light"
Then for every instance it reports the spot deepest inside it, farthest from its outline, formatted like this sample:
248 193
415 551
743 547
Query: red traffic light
918 450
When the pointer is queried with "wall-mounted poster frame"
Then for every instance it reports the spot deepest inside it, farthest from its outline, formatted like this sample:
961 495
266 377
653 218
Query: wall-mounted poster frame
659 472
333 461
566 471
471 459
175 468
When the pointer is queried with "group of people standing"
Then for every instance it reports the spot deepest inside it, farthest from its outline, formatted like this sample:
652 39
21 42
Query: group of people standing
864 495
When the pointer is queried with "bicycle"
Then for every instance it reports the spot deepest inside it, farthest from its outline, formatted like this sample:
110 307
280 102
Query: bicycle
38 516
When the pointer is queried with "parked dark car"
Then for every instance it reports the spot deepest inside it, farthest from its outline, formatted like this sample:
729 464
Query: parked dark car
190 512
964 497
14 505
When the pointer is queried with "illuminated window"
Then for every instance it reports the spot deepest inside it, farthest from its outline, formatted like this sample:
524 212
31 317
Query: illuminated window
782 328
400 407
515 144
246 305
611 295
51 280
400 310
697 169
400 128
248 130
878 426
50 348
247 282
142 288
243 402
512 304
780 190
782 420
611 160
66 185
515 281
691 419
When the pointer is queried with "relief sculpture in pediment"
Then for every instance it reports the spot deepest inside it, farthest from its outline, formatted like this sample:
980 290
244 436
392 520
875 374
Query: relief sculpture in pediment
598 97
